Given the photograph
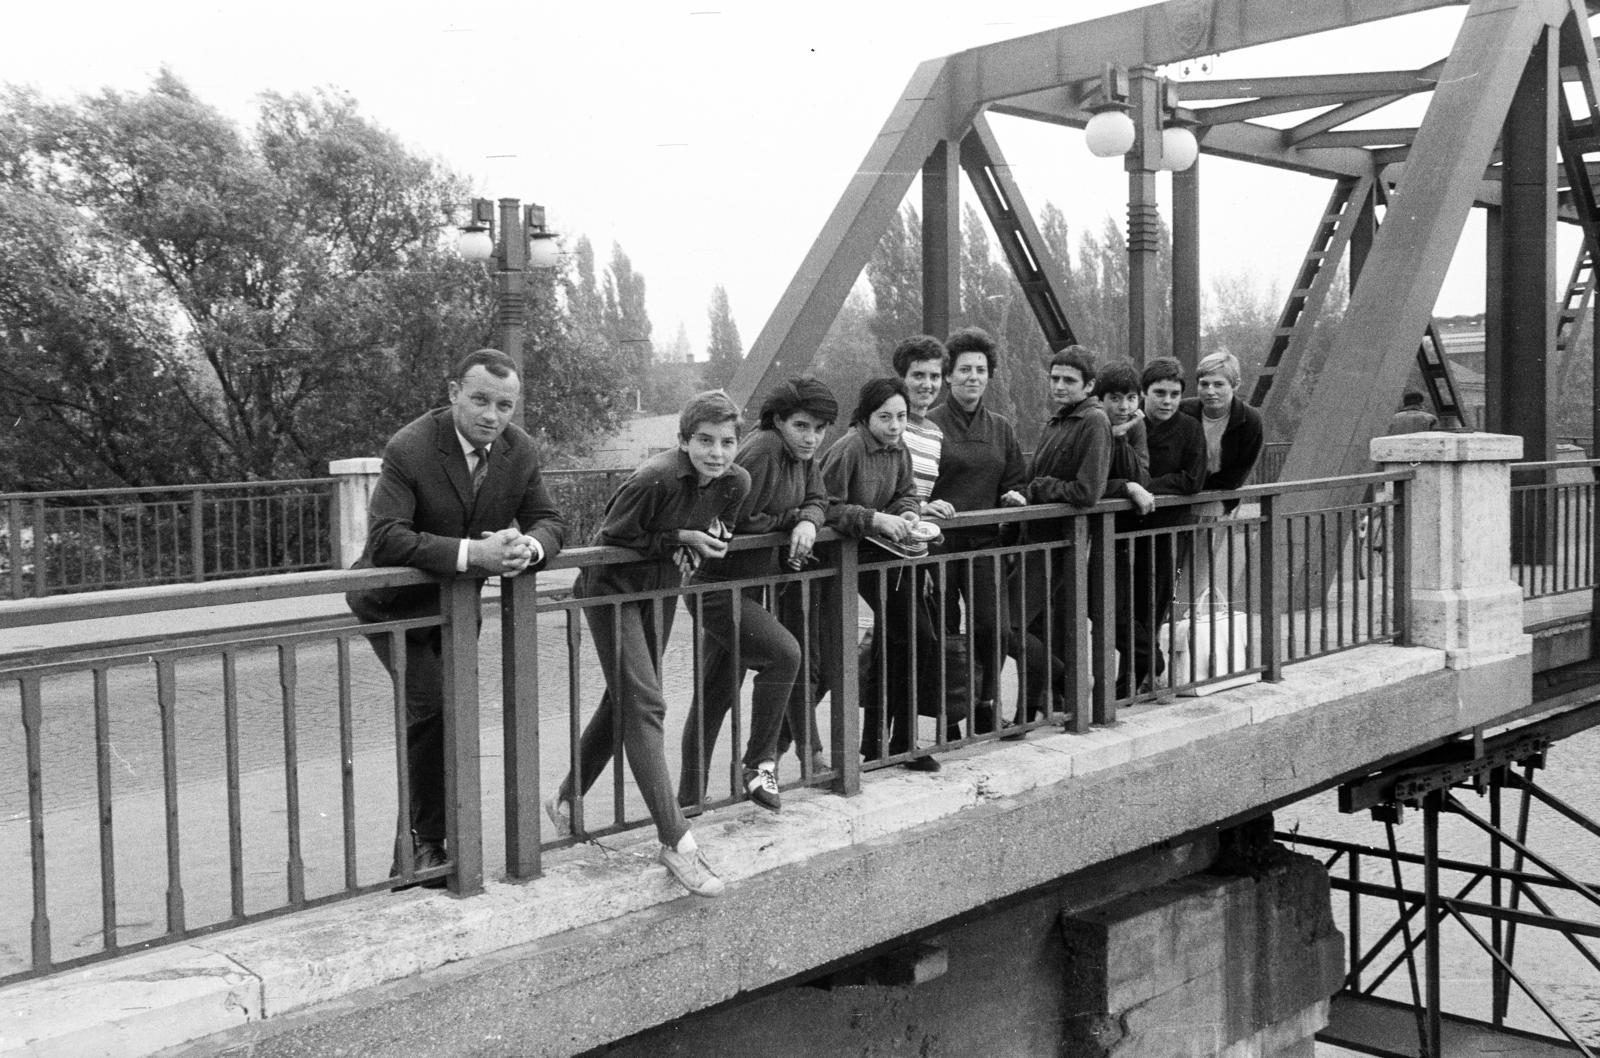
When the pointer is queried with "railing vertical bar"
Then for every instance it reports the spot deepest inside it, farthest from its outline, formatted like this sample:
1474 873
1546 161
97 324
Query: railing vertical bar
288 683
1076 574
282 549
519 637
32 723
14 544
1271 658
230 738
167 701
1322 580
405 851
1375 524
197 535
736 668
41 549
102 776
463 803
347 760
575 715
1252 570
1399 548
845 721
1230 635
1305 583
697 690
1287 526
1338 577
1020 645
1102 551
615 701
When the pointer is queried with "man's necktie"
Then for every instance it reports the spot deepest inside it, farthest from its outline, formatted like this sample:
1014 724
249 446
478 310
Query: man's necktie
480 468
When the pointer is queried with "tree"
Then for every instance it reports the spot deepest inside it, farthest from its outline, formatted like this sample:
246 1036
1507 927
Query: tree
673 377
894 272
723 350
848 355
267 299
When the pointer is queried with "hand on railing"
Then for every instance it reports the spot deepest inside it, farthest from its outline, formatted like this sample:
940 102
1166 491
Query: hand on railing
1141 497
506 552
1013 499
697 546
893 527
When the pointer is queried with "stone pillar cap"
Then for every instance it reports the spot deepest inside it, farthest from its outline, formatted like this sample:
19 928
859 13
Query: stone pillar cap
361 465
1443 446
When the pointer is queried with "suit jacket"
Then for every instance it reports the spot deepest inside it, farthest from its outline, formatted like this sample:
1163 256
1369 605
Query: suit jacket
423 508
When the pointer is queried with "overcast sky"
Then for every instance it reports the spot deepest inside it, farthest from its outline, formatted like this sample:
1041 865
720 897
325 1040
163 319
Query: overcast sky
710 138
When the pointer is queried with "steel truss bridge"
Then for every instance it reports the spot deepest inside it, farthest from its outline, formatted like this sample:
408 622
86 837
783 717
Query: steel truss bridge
1511 128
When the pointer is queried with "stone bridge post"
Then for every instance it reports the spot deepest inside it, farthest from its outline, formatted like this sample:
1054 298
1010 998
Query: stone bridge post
356 480
1463 599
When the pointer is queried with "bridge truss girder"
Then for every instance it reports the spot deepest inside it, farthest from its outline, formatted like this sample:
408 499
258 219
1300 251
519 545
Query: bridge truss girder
1444 167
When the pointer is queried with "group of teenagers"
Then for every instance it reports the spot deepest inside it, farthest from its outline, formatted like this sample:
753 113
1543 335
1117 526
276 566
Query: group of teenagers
907 457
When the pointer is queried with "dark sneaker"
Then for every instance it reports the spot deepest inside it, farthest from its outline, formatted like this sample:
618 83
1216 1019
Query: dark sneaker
761 786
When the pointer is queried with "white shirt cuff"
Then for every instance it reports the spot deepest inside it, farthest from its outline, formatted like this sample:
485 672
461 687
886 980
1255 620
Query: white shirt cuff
461 558
538 551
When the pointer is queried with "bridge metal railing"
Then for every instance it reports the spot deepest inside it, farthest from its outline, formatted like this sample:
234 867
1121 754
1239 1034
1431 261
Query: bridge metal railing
55 542
1553 526
160 790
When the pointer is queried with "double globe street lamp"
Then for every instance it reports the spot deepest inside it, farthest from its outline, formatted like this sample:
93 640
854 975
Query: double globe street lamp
523 243
1135 115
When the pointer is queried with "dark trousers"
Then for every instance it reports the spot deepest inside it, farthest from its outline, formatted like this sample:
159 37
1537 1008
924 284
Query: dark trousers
1155 562
810 684
424 696
1041 636
629 648
765 645
984 604
887 687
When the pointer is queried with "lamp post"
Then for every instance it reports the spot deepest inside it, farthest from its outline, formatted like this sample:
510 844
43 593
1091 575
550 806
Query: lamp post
523 244
1136 116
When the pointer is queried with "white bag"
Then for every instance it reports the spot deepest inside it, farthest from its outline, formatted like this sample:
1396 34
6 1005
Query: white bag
1229 649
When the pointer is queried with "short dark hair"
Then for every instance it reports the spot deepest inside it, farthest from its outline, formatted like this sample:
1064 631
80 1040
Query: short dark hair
1161 369
1412 399
1078 358
874 394
970 340
916 349
1119 376
713 406
801 393
493 361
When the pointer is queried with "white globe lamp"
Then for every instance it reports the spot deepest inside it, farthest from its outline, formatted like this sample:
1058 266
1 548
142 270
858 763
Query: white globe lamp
1109 133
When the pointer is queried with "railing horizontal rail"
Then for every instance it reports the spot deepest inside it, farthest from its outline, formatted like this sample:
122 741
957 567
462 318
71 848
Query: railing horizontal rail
89 495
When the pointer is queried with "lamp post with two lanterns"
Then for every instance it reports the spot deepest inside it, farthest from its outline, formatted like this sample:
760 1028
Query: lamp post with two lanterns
1136 116
523 243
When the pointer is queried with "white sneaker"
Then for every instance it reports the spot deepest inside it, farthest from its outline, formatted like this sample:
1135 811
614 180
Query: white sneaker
560 813
692 871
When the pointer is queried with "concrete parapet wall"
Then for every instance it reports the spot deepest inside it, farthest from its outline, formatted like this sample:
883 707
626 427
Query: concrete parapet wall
605 945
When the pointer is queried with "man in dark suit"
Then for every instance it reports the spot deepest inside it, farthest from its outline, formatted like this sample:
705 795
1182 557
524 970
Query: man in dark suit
460 494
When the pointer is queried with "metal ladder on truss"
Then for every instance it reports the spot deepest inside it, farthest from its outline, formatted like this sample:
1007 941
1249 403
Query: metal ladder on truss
1574 309
1328 243
1311 283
